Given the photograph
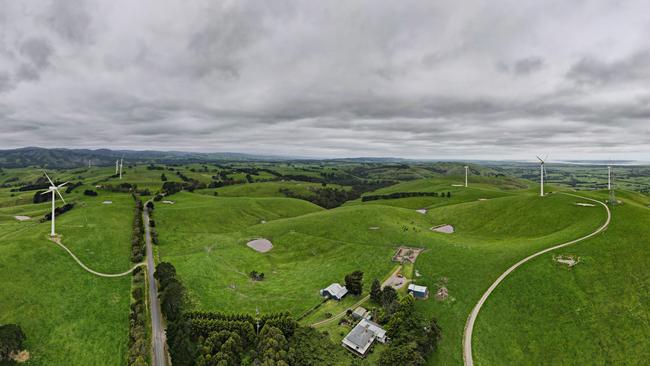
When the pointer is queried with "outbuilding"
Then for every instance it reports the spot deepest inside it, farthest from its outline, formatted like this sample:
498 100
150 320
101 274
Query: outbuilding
361 313
334 291
419 292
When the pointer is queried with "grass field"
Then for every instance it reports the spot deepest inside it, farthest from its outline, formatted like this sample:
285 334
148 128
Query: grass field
70 317
311 251
594 313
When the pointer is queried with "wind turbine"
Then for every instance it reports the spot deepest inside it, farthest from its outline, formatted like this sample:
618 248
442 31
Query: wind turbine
609 177
54 189
121 165
466 172
117 166
542 173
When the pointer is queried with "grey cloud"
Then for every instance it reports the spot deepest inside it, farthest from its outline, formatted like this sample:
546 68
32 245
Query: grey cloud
362 77
38 51
70 20
591 70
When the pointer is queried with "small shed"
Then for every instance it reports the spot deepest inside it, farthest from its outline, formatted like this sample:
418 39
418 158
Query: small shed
361 313
419 292
334 291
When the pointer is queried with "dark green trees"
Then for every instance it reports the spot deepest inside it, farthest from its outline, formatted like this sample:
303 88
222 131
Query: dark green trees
354 283
12 339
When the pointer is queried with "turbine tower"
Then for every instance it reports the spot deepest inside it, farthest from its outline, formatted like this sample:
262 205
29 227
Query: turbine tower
117 166
121 165
609 177
466 173
542 173
54 189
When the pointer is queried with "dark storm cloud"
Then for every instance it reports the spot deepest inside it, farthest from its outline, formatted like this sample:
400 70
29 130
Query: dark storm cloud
343 78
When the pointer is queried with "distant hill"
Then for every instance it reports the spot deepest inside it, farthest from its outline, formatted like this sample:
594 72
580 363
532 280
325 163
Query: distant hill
71 158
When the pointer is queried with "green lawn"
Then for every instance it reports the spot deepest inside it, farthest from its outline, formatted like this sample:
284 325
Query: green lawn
70 317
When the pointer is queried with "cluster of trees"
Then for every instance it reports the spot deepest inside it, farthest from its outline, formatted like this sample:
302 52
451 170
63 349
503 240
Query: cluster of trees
172 291
169 188
40 183
73 186
152 223
39 197
12 341
211 339
163 177
120 188
137 240
404 195
324 197
90 192
138 336
354 283
256 276
58 211
155 167
386 297
412 338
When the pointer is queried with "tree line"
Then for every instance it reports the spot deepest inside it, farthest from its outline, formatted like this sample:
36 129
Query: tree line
138 335
404 195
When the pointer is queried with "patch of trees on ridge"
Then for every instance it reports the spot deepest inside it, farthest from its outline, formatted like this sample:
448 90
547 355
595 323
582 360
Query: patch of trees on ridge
58 211
396 195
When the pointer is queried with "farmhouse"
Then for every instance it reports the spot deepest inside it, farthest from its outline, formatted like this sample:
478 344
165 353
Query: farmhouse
363 336
419 292
334 291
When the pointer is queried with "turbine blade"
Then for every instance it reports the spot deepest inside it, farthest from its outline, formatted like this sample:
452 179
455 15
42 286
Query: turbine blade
61 185
47 192
48 177
59 193
538 158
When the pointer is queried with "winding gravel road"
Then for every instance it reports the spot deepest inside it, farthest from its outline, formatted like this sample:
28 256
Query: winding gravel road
88 269
469 326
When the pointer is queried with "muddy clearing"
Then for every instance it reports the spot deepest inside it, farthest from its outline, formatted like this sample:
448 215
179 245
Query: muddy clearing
407 254
22 218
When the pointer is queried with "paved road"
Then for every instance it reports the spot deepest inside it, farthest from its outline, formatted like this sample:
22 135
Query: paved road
58 242
157 329
469 326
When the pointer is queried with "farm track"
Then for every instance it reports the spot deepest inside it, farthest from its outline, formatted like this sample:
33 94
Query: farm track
82 265
471 320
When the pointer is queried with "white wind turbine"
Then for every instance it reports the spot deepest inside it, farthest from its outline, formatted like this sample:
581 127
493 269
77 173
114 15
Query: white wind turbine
54 189
609 176
542 174
121 165
466 173
117 166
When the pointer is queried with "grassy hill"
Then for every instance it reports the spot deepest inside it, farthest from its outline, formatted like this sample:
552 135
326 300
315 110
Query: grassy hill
70 316
593 313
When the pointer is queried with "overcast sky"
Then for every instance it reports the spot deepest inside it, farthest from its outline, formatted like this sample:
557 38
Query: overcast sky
420 79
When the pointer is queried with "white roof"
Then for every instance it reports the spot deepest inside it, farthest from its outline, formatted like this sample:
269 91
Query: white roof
361 337
417 288
337 290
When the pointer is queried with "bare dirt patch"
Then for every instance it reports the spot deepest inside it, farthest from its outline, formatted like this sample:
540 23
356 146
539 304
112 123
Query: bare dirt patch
168 202
582 204
569 260
107 202
407 254
373 228
446 229
261 245
422 211
22 218
20 357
